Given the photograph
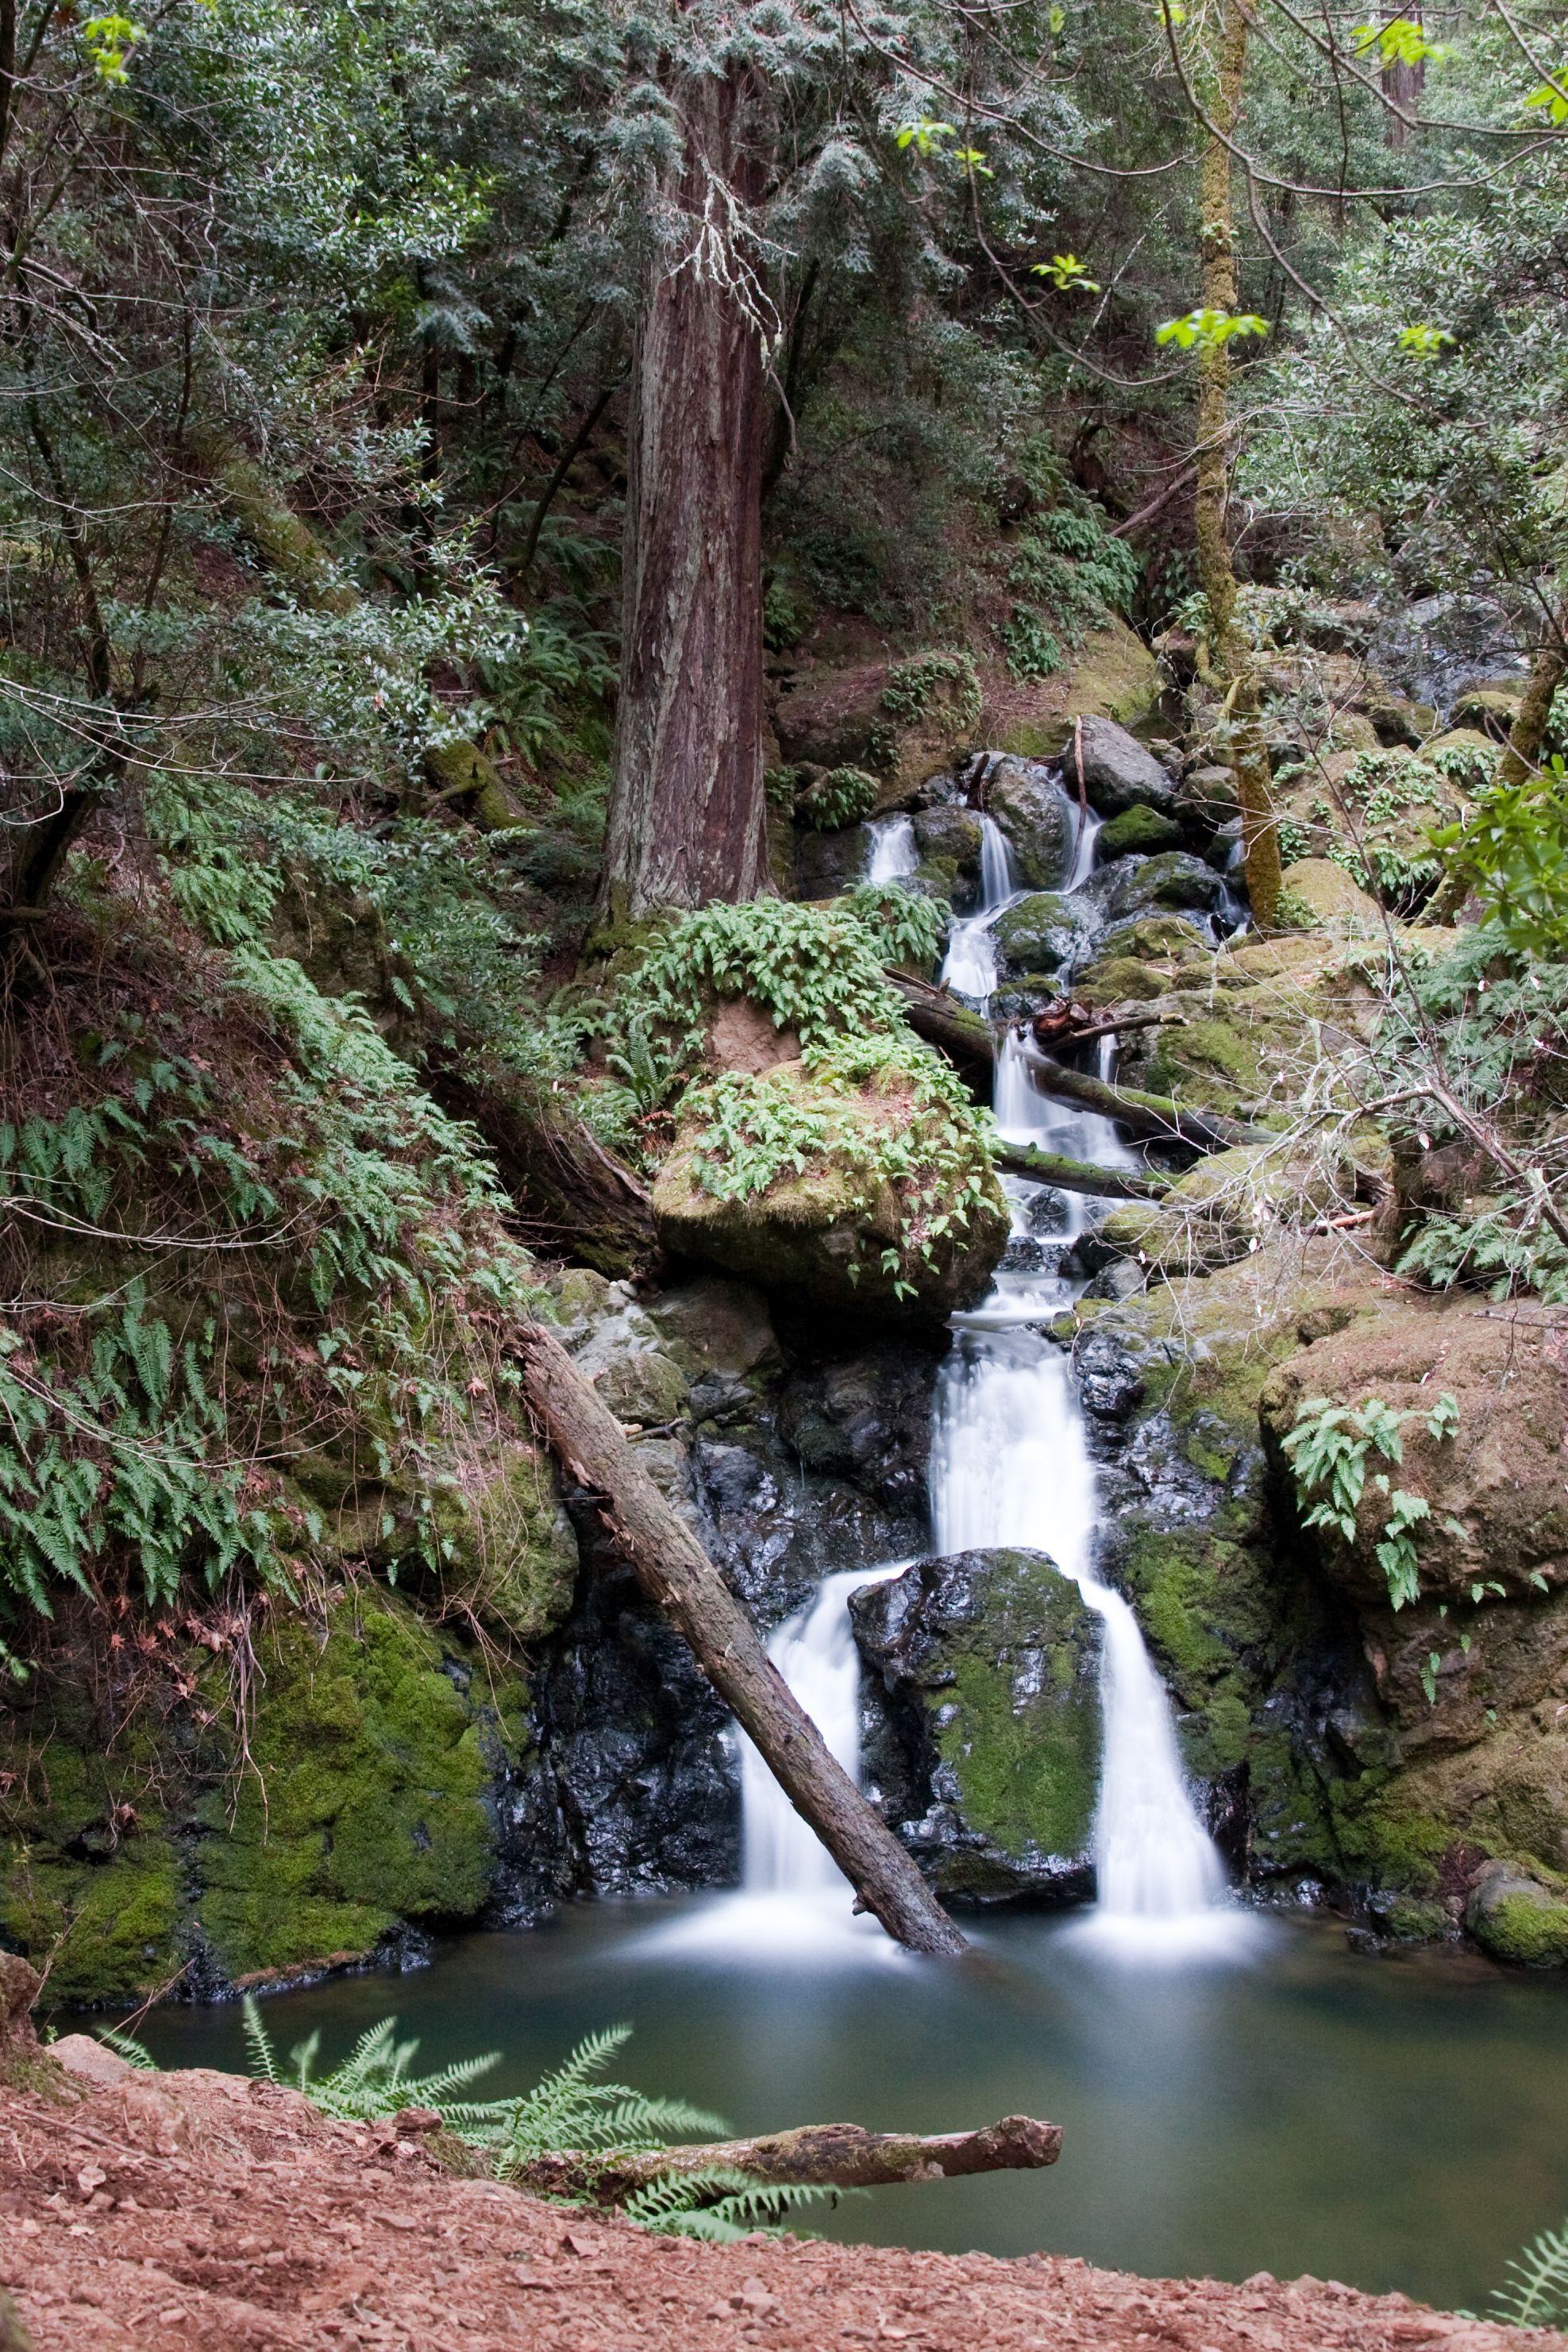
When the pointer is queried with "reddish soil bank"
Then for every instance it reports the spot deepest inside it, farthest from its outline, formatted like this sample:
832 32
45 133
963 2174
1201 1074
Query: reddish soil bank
202 2210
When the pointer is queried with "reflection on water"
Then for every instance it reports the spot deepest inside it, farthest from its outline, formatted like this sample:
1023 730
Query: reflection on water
1390 2124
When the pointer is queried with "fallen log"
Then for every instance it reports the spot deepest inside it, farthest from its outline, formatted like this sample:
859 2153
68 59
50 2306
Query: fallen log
673 1568
1078 1175
1153 1118
828 2155
1052 1035
968 1040
570 1192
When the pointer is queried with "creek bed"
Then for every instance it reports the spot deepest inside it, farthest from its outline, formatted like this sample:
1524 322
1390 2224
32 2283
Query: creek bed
1392 2123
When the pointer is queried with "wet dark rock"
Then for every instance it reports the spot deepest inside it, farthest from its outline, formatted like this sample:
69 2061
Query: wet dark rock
868 1420
1138 831
981 1723
1175 882
1025 800
1119 773
1111 1373
949 840
829 864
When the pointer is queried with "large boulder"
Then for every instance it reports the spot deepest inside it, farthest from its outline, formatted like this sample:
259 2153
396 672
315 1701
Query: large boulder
829 864
982 1722
1173 882
1139 831
949 841
1025 800
1119 773
832 1228
1333 897
1041 933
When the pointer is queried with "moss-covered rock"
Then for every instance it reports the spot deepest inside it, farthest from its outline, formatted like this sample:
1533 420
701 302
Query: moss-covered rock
1112 675
1515 1917
984 1735
1041 934
1333 898
1139 831
834 1227
261 1809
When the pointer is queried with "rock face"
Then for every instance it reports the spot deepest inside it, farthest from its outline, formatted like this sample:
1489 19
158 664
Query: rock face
829 864
835 1232
949 840
981 1722
1119 773
1025 800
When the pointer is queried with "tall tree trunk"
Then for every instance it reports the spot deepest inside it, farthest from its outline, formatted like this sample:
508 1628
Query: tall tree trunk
1522 753
686 808
1248 752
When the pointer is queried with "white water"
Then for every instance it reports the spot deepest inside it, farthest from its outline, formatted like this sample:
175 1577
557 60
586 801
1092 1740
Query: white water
970 967
893 850
1009 1466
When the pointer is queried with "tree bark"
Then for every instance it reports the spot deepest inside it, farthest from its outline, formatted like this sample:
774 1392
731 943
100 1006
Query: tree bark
1522 753
687 816
567 1189
1154 1117
1078 1175
1248 752
829 2156
675 1571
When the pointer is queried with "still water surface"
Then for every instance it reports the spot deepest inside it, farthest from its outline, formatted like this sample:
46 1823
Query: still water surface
1388 2123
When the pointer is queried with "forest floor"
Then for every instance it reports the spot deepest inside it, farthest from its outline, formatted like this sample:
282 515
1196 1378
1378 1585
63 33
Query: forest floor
199 2210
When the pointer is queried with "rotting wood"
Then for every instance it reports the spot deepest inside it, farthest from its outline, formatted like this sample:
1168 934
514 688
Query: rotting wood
829 2156
1153 1118
1078 1175
1089 1031
673 1568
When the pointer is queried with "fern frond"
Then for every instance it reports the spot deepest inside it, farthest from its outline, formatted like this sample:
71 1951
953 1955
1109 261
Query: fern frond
258 2042
722 2204
125 2045
1538 2295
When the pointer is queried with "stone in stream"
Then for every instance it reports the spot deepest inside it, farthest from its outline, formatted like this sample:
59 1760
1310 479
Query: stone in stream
1118 772
980 1715
1043 933
949 842
1025 800
1173 882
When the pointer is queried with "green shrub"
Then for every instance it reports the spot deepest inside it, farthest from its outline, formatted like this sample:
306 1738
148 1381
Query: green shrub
840 797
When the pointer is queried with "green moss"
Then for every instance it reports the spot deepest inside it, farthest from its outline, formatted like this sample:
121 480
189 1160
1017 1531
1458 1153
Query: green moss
367 1801
1138 831
109 1925
1528 1929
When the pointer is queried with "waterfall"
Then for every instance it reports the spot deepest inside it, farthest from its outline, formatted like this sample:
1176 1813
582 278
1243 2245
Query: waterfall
969 968
1009 1466
893 850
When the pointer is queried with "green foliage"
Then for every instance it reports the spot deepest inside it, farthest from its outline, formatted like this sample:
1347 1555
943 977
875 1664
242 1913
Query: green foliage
720 2205
570 2110
840 797
1328 1446
817 970
1537 2294
906 929
372 2081
1032 650
1511 849
943 686
1209 330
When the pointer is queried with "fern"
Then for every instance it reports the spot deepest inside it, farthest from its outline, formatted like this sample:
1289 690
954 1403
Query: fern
721 2204
125 2045
373 2080
258 2042
570 2110
1538 2295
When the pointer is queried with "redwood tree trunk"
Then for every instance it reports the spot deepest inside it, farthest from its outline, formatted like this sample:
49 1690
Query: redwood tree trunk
686 810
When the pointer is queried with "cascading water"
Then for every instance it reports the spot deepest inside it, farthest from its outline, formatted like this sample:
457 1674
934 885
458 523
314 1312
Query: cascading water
1010 1466
970 965
893 849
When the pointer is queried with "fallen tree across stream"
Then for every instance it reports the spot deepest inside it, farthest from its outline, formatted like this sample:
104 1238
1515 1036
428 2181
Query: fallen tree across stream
1155 1118
1079 1175
827 2156
673 1571
967 1039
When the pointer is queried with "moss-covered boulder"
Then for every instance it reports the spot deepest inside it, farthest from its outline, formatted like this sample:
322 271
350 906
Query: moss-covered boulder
1025 800
1515 1917
1332 898
868 1191
245 1800
1112 674
1041 933
1138 831
982 1722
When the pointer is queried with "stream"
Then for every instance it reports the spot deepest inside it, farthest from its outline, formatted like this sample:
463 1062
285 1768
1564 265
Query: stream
1239 2091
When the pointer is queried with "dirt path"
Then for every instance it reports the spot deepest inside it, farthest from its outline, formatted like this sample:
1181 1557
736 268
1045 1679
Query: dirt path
199 2210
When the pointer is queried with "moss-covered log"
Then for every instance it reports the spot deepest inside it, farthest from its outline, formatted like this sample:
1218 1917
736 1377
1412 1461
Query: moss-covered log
673 1568
1078 1175
828 2155
1153 1118
968 1041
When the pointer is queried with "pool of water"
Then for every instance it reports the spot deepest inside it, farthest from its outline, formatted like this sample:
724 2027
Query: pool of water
1390 2123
